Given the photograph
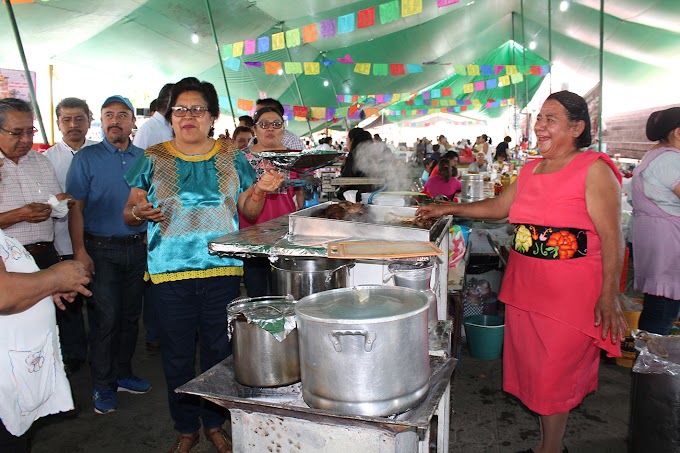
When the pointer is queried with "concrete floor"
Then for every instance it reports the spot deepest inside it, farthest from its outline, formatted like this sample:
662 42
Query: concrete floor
487 420
484 419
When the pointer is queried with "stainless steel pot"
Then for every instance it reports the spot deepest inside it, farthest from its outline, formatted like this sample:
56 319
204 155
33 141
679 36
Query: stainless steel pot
364 351
260 359
473 187
301 277
417 275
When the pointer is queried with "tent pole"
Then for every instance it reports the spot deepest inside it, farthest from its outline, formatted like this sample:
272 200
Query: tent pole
219 59
550 43
515 119
297 86
27 73
599 104
524 62
330 79
51 72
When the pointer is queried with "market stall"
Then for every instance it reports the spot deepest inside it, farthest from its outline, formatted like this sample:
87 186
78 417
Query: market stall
301 247
306 234
278 419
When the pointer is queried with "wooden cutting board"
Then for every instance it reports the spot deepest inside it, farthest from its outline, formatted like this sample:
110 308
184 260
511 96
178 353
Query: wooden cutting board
381 250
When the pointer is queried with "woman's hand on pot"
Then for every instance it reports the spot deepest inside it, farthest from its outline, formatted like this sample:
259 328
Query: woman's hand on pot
270 181
608 314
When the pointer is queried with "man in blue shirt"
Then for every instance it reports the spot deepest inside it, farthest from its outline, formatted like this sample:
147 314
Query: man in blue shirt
114 252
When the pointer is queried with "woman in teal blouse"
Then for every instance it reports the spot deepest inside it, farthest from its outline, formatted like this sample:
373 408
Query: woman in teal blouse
189 189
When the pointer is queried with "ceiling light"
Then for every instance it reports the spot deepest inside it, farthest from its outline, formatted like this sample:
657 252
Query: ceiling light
564 5
194 38
280 72
532 45
325 83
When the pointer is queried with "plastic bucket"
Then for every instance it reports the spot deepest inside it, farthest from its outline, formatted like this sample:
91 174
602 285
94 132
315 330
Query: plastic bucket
485 336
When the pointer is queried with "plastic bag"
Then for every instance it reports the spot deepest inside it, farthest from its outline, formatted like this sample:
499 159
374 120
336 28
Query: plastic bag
659 354
479 298
629 304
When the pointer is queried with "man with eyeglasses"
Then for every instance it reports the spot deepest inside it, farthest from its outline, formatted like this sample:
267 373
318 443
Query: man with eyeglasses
28 179
73 120
113 252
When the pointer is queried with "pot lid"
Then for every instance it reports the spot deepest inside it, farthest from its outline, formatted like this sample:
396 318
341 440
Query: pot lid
275 314
367 304
265 308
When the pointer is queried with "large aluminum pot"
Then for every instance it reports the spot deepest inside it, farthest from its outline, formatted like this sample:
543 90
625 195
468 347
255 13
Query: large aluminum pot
473 187
301 277
364 351
260 359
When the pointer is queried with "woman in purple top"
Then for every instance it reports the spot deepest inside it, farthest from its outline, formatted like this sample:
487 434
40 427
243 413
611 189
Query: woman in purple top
656 236
444 182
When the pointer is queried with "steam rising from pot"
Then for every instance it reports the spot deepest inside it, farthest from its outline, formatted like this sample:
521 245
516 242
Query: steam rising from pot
376 160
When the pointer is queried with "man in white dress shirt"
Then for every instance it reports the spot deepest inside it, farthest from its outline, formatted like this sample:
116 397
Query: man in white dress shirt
73 119
156 129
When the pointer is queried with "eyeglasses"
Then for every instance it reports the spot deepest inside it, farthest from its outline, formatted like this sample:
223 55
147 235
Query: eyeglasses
196 112
275 124
28 132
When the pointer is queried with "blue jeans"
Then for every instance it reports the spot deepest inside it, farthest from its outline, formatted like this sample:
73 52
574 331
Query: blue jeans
72 327
186 308
150 317
658 314
116 305
257 276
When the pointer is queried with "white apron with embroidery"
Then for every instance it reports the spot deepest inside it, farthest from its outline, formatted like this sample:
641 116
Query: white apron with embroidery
32 378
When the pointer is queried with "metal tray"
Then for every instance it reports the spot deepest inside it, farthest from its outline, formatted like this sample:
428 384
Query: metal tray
308 223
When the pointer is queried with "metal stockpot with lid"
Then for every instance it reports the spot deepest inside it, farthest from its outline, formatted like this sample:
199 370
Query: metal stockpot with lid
264 341
473 187
302 276
364 350
416 275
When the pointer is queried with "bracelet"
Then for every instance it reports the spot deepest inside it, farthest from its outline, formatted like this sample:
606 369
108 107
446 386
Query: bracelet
135 215
252 197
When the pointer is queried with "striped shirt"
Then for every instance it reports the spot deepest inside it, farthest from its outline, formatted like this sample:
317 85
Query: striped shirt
31 180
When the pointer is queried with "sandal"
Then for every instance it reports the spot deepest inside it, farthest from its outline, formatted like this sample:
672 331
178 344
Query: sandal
219 438
185 442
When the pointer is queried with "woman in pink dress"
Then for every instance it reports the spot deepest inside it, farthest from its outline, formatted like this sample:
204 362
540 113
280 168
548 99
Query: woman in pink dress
269 129
561 283
444 182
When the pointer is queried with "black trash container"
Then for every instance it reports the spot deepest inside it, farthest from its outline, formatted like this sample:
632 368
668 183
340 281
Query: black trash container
655 400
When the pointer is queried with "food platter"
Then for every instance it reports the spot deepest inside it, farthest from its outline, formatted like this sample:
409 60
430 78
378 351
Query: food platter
300 162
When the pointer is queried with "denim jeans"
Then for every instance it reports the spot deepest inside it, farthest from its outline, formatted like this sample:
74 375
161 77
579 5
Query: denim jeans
658 314
72 327
116 305
187 308
257 276
150 318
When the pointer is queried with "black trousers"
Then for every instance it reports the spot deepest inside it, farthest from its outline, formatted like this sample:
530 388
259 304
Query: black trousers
12 444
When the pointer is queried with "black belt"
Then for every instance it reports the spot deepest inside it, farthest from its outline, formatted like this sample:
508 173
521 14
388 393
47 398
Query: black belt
117 240
40 247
